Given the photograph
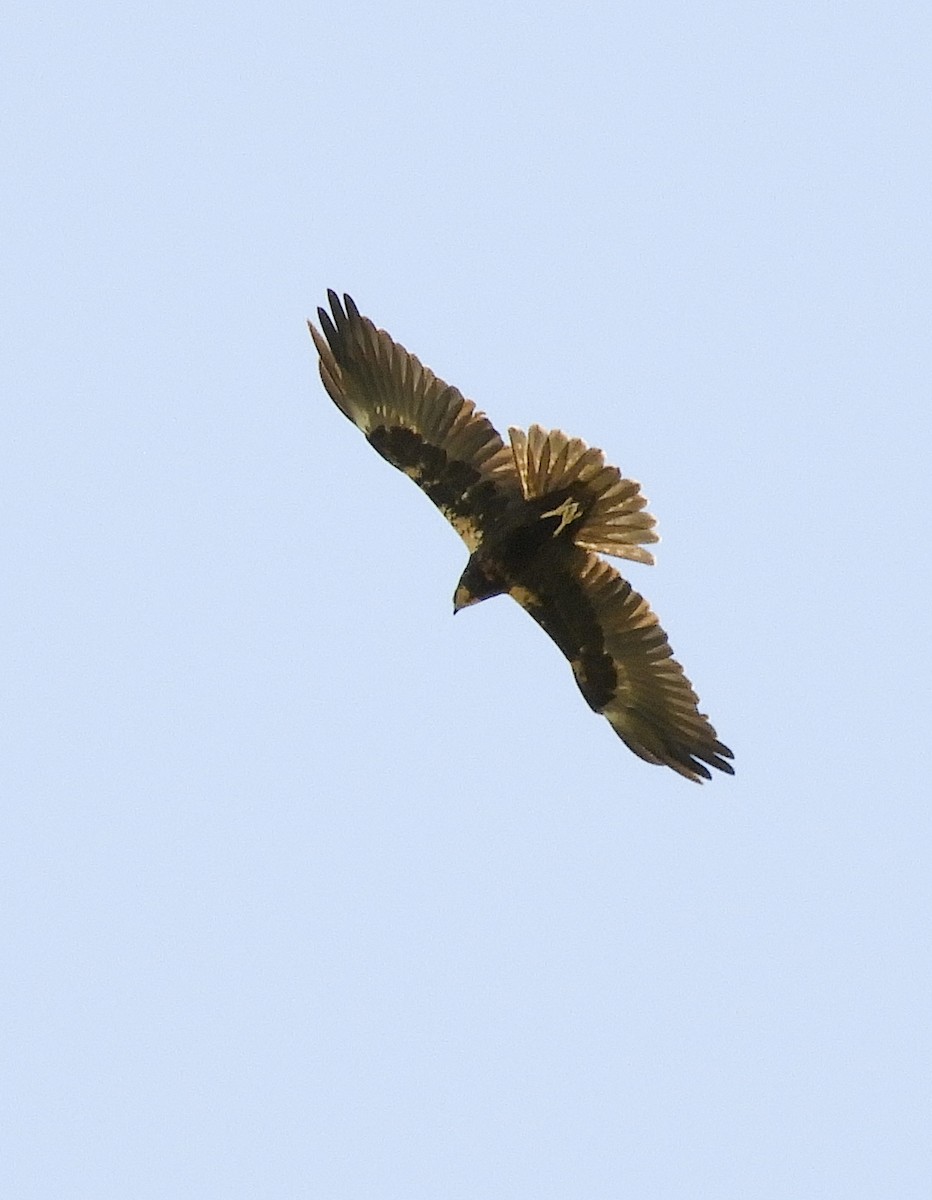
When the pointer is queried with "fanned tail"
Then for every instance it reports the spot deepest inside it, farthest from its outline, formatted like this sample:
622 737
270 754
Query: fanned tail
615 522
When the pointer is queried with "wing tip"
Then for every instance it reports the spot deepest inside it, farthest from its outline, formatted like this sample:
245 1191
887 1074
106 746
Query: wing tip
658 743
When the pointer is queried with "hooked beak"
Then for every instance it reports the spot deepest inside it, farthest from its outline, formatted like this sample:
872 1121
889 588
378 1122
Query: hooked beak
462 598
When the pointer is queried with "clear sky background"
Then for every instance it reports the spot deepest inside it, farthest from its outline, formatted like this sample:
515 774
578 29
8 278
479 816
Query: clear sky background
310 890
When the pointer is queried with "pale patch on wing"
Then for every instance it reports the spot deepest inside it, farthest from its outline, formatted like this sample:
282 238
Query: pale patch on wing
466 527
525 597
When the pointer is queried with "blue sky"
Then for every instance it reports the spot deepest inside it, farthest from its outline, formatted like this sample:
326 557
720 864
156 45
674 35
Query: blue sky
311 890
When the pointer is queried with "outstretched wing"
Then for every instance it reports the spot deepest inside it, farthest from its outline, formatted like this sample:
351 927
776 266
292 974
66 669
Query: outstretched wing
623 663
416 421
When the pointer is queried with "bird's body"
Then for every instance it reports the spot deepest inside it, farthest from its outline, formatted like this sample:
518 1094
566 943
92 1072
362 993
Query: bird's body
535 516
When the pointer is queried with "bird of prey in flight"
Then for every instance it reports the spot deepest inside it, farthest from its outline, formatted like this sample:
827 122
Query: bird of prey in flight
535 516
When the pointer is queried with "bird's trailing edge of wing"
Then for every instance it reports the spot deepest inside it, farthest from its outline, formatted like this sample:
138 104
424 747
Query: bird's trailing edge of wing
549 461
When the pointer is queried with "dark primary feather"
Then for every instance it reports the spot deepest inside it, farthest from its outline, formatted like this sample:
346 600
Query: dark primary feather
533 515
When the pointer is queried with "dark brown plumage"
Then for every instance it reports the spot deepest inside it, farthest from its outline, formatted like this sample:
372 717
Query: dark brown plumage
535 516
